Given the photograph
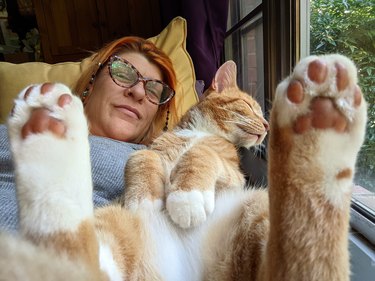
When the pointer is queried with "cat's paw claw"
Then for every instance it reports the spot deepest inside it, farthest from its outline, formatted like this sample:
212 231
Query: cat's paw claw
190 208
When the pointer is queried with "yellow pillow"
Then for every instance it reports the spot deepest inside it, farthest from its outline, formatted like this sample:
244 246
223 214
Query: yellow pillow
172 40
15 77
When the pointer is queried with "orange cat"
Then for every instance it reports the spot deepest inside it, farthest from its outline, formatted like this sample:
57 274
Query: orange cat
199 156
213 228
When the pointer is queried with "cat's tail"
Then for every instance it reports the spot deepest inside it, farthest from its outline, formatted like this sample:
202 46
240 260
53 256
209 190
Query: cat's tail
22 260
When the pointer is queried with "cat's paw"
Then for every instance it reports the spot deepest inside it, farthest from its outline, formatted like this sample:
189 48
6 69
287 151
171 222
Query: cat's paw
190 208
322 93
47 109
318 122
49 141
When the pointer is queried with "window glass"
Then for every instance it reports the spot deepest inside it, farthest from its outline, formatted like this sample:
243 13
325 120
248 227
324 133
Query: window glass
348 27
245 47
238 9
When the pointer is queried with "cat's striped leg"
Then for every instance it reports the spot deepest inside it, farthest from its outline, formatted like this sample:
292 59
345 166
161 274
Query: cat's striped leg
49 142
317 128
201 172
144 182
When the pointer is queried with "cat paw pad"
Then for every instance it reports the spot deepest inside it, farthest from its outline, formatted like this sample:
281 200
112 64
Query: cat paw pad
190 208
318 124
45 108
321 93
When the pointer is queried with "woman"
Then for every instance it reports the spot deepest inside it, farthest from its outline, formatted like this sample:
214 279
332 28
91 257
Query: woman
127 92
138 58
130 83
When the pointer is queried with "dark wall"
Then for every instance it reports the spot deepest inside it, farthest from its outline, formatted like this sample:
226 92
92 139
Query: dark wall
206 26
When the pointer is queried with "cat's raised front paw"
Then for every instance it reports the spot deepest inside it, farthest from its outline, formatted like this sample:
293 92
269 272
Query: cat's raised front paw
49 141
190 208
318 124
322 93
46 108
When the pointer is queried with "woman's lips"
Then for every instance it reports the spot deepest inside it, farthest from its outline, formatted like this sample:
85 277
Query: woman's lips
129 111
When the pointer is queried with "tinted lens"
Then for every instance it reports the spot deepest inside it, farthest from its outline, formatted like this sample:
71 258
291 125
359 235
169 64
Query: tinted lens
154 90
123 73
158 92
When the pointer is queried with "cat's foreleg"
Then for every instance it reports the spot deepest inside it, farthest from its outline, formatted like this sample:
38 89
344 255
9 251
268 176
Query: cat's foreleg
144 181
198 175
317 127
49 141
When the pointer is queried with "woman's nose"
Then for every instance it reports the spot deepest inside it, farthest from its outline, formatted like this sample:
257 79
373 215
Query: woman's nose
137 91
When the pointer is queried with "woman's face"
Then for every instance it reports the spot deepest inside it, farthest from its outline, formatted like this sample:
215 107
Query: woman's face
120 113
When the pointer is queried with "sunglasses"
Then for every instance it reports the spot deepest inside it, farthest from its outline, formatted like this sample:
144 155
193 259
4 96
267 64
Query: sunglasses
125 75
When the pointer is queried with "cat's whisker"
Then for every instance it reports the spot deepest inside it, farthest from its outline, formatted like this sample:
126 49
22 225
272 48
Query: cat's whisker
258 149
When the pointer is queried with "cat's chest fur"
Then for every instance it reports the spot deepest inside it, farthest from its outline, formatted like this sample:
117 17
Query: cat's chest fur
178 147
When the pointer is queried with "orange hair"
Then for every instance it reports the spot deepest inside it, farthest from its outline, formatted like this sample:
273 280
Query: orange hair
154 55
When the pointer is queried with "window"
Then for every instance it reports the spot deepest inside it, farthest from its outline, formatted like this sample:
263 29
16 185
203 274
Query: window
244 45
348 27
267 38
261 40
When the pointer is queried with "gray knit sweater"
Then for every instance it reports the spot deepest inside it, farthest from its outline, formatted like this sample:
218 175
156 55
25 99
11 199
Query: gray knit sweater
108 158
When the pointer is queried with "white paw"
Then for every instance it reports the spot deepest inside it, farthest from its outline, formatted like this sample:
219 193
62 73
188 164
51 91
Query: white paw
190 208
53 171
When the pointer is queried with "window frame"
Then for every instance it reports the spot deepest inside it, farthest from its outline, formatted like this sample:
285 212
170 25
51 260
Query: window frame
286 29
281 41
362 232
281 51
361 220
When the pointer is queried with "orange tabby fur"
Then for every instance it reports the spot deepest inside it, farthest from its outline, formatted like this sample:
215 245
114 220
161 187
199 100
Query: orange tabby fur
173 229
200 154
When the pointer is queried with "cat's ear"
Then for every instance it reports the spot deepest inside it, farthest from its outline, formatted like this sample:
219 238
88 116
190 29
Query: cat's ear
225 77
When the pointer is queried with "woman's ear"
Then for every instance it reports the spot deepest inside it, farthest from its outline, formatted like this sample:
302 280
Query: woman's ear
225 77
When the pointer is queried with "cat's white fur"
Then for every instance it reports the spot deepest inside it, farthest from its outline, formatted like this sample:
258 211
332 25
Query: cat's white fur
171 252
45 180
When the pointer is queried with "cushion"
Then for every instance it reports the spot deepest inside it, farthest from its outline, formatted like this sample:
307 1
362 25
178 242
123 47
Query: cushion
172 40
15 77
